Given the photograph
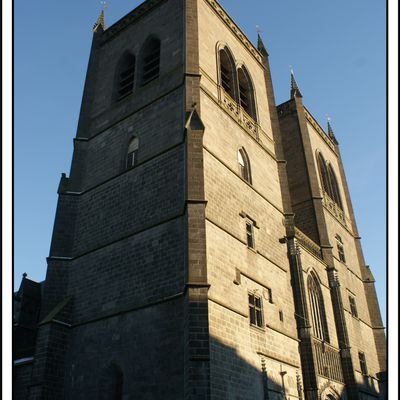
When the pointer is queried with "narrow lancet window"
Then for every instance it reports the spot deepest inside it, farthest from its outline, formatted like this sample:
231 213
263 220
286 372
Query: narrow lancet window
126 76
334 187
244 165
317 309
246 92
227 71
324 174
328 181
131 157
150 62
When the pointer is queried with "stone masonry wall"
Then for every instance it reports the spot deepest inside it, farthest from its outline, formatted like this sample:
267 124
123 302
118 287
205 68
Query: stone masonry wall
131 39
298 179
143 268
123 266
144 196
237 348
349 272
21 380
137 343
106 152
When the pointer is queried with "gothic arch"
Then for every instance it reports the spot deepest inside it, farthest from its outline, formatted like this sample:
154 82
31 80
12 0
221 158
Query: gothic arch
244 165
246 91
227 71
317 308
329 181
330 393
125 75
323 173
149 60
334 187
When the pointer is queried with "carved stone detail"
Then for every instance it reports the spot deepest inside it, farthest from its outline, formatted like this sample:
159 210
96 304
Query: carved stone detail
299 386
337 212
307 243
328 360
237 112
293 247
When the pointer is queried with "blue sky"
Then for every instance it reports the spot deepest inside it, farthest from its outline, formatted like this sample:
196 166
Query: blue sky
338 52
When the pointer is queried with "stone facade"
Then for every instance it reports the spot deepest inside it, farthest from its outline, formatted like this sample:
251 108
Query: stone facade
181 277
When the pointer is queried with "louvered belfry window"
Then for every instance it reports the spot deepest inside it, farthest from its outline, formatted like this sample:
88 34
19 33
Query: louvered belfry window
329 181
237 83
335 187
227 70
151 60
324 174
246 92
126 76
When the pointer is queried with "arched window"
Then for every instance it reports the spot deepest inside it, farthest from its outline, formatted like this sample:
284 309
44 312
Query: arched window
111 383
132 152
227 72
125 75
244 165
334 187
330 397
324 174
329 181
246 92
317 309
150 60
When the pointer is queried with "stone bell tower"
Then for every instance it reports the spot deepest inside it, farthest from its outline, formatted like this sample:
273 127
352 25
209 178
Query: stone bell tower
117 300
323 212
204 245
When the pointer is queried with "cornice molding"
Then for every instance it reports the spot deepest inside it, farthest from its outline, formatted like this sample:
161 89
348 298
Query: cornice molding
320 131
129 18
235 29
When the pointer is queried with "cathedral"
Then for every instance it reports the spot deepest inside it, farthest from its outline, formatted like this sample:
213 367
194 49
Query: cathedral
204 245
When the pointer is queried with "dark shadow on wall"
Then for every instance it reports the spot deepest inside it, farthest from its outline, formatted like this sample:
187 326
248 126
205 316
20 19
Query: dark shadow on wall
373 388
234 378
26 310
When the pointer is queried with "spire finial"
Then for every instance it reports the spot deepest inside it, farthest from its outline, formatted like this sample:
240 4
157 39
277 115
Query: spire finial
328 120
330 130
101 20
294 88
24 275
260 44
